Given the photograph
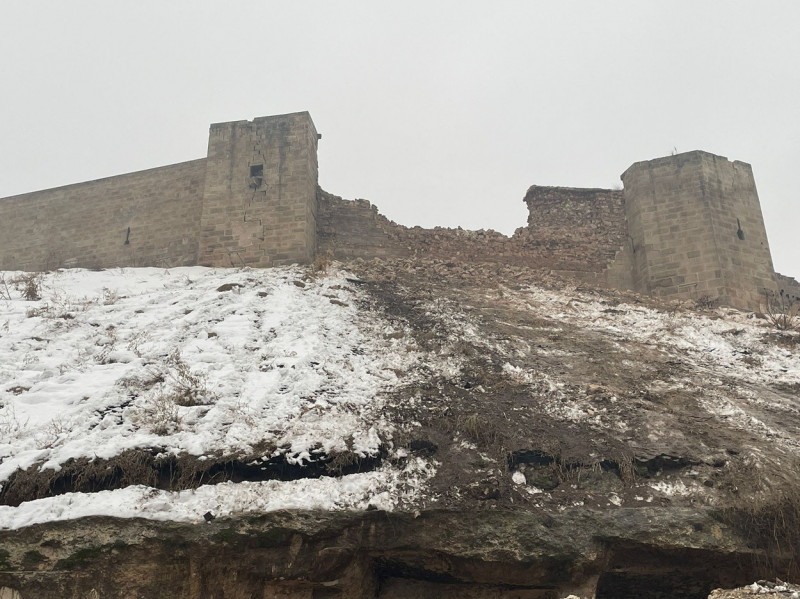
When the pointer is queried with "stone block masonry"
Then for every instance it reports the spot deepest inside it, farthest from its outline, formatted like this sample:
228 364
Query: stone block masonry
685 227
696 229
260 204
147 218
251 202
571 231
577 229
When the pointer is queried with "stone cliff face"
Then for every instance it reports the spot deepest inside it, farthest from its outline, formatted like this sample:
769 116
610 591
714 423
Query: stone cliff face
502 554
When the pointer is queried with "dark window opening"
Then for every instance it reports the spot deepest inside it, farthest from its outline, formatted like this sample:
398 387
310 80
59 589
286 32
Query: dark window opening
256 175
739 233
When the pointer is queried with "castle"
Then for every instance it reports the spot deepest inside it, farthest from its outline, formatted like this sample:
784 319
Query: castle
685 226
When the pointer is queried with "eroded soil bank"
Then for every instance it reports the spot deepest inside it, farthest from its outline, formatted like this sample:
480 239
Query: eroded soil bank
567 440
502 554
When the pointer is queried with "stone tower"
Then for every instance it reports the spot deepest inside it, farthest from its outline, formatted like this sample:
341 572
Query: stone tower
696 229
259 202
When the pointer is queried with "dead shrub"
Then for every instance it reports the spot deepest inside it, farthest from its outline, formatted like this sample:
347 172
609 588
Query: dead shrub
10 424
29 285
5 292
160 414
188 388
138 385
322 261
781 310
789 340
341 462
176 383
480 431
705 302
165 392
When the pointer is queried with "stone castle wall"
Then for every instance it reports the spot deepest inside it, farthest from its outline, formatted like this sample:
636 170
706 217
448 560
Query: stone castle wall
696 228
685 226
355 229
146 218
251 202
259 206
789 286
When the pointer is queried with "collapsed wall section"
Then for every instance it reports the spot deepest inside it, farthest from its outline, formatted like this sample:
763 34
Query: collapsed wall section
146 218
355 229
789 287
575 229
259 205
697 230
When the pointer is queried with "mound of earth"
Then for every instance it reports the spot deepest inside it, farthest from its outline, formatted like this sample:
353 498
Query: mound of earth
408 428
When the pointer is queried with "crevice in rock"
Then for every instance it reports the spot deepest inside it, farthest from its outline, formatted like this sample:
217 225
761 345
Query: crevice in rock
652 466
152 468
646 572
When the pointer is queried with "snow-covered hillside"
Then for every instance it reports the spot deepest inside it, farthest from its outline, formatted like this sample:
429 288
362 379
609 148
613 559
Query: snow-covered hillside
411 384
201 362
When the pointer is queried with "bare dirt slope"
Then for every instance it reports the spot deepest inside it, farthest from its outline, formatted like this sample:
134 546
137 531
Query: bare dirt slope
590 396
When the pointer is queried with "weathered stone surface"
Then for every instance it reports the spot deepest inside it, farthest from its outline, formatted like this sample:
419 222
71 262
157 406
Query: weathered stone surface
696 227
687 226
769 588
259 202
148 218
372 554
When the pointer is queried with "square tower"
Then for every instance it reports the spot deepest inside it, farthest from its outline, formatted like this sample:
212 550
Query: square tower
259 202
696 229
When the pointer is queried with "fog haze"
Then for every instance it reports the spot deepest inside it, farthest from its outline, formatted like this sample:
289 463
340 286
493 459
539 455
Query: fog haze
440 113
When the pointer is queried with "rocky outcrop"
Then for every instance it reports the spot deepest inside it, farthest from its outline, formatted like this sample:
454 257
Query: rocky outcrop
482 553
776 589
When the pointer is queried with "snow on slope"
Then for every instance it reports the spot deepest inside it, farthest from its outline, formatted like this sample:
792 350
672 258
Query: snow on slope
725 347
279 360
289 362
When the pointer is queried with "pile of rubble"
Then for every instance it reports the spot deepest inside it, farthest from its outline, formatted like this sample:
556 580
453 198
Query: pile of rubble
761 587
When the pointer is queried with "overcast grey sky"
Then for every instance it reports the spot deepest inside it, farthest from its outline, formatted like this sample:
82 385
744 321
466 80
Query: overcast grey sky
440 112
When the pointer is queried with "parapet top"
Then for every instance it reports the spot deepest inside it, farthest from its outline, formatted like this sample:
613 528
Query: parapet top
684 158
570 189
262 119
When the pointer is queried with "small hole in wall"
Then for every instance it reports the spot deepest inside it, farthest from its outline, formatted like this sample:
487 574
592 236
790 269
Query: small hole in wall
128 236
256 175
739 232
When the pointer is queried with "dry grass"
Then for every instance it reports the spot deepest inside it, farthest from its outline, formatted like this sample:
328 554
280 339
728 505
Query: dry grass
478 429
765 512
705 303
188 388
5 292
342 462
166 390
